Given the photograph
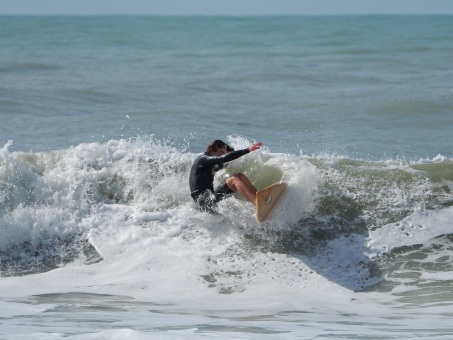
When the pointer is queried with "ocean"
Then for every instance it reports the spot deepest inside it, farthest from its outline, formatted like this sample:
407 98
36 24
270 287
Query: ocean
101 118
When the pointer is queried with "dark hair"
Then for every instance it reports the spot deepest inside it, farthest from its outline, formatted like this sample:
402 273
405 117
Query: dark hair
217 145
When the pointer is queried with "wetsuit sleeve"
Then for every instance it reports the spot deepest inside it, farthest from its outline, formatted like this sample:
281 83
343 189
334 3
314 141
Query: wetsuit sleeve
218 167
228 157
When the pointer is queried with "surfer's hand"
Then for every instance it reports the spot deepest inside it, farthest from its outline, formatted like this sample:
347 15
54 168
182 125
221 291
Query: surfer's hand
255 146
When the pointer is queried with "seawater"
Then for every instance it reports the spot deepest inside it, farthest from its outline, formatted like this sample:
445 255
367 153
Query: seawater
102 117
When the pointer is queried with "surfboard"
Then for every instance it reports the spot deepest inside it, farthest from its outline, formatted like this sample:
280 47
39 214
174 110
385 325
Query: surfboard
266 199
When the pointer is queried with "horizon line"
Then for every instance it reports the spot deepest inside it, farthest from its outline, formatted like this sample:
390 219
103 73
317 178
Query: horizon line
219 15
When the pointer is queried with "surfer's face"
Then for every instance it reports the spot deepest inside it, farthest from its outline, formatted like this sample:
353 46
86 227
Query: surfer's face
224 150
220 151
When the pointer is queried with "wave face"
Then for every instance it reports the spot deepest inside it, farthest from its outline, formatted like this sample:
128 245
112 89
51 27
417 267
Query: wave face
366 226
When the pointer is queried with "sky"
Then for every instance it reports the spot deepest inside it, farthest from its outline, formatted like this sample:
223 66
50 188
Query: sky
223 7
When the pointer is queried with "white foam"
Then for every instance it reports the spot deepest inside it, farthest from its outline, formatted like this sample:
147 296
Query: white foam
418 228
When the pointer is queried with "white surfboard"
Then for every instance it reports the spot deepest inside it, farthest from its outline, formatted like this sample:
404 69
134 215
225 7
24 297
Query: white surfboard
266 199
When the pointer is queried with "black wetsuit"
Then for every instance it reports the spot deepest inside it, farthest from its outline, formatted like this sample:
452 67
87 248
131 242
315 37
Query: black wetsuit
202 179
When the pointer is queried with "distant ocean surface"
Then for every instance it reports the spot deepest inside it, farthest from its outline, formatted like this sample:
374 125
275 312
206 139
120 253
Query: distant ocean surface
102 117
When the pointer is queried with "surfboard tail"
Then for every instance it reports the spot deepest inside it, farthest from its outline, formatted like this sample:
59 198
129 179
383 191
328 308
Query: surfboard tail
267 198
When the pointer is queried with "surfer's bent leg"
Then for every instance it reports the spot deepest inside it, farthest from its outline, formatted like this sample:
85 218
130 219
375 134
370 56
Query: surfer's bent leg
222 191
240 183
205 201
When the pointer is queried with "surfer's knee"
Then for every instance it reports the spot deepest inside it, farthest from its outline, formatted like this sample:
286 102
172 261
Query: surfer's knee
239 176
231 182
234 180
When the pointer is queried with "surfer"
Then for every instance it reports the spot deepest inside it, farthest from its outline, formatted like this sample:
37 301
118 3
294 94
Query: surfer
202 176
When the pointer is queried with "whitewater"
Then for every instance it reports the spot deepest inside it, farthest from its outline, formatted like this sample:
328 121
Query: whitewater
103 241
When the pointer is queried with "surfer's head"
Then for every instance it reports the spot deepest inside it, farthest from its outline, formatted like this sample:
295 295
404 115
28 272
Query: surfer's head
217 145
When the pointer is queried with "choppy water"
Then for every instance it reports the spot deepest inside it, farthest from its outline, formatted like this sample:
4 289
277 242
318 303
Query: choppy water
101 118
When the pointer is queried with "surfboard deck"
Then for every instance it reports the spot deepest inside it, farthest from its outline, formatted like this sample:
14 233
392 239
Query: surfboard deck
266 199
